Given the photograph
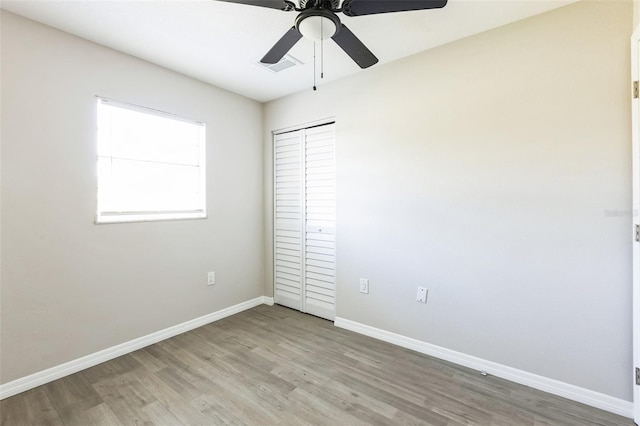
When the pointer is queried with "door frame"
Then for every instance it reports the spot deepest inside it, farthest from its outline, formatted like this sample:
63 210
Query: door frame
635 144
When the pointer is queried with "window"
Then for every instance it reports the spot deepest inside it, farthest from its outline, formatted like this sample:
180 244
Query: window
151 165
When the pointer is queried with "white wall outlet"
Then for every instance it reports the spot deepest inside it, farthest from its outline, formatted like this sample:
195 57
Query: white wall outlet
364 285
422 295
211 278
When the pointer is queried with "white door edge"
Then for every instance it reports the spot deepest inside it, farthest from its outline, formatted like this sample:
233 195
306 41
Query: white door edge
635 72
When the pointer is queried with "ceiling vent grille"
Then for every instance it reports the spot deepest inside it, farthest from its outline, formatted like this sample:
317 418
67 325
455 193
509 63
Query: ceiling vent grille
287 61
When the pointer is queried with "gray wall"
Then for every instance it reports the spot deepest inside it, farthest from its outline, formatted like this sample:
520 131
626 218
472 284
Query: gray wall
488 170
484 170
69 287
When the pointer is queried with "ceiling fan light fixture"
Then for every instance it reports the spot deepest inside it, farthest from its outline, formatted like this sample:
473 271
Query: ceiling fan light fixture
317 24
317 28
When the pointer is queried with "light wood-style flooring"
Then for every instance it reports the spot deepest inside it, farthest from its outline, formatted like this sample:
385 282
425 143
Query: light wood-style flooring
273 365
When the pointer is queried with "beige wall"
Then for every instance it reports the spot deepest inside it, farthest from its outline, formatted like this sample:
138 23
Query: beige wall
487 171
636 13
69 287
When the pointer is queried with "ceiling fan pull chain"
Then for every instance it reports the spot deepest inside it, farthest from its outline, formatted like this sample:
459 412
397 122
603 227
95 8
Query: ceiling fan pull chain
314 65
322 49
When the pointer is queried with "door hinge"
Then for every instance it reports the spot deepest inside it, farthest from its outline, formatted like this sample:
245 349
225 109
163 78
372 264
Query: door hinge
636 91
637 376
638 233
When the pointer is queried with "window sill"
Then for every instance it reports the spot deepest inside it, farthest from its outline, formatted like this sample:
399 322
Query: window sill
107 219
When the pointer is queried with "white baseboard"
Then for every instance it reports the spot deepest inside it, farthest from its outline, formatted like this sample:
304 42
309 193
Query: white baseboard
40 378
555 387
268 300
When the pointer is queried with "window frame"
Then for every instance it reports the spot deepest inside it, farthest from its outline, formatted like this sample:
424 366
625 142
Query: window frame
104 216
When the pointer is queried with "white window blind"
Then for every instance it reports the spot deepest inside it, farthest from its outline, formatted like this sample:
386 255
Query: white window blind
151 165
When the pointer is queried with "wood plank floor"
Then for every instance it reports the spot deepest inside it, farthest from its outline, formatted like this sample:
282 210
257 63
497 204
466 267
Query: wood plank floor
273 365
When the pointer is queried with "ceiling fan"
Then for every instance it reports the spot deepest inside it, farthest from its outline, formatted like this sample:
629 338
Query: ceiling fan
318 21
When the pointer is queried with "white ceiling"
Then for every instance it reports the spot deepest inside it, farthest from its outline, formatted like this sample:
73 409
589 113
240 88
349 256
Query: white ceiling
219 42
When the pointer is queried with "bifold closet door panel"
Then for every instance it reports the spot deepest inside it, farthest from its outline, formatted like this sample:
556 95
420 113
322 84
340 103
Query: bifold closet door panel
319 226
304 226
288 223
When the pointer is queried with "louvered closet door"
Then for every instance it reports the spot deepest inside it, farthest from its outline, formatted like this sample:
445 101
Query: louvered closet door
304 251
320 222
288 204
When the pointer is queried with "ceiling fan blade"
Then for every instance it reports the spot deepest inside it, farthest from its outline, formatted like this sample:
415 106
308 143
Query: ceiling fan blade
371 7
354 47
272 4
282 46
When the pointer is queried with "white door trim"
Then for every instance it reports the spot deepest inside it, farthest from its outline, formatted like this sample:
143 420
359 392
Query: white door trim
303 126
635 132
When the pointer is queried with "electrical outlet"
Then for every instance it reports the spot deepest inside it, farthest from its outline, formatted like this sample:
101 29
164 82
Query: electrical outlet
211 278
364 285
422 295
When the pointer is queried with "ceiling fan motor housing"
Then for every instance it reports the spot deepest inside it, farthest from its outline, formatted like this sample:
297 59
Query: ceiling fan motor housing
317 24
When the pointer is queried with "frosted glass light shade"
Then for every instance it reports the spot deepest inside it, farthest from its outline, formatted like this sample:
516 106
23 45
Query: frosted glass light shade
317 28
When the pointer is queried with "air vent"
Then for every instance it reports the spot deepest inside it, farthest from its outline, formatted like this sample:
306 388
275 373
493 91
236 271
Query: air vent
287 61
